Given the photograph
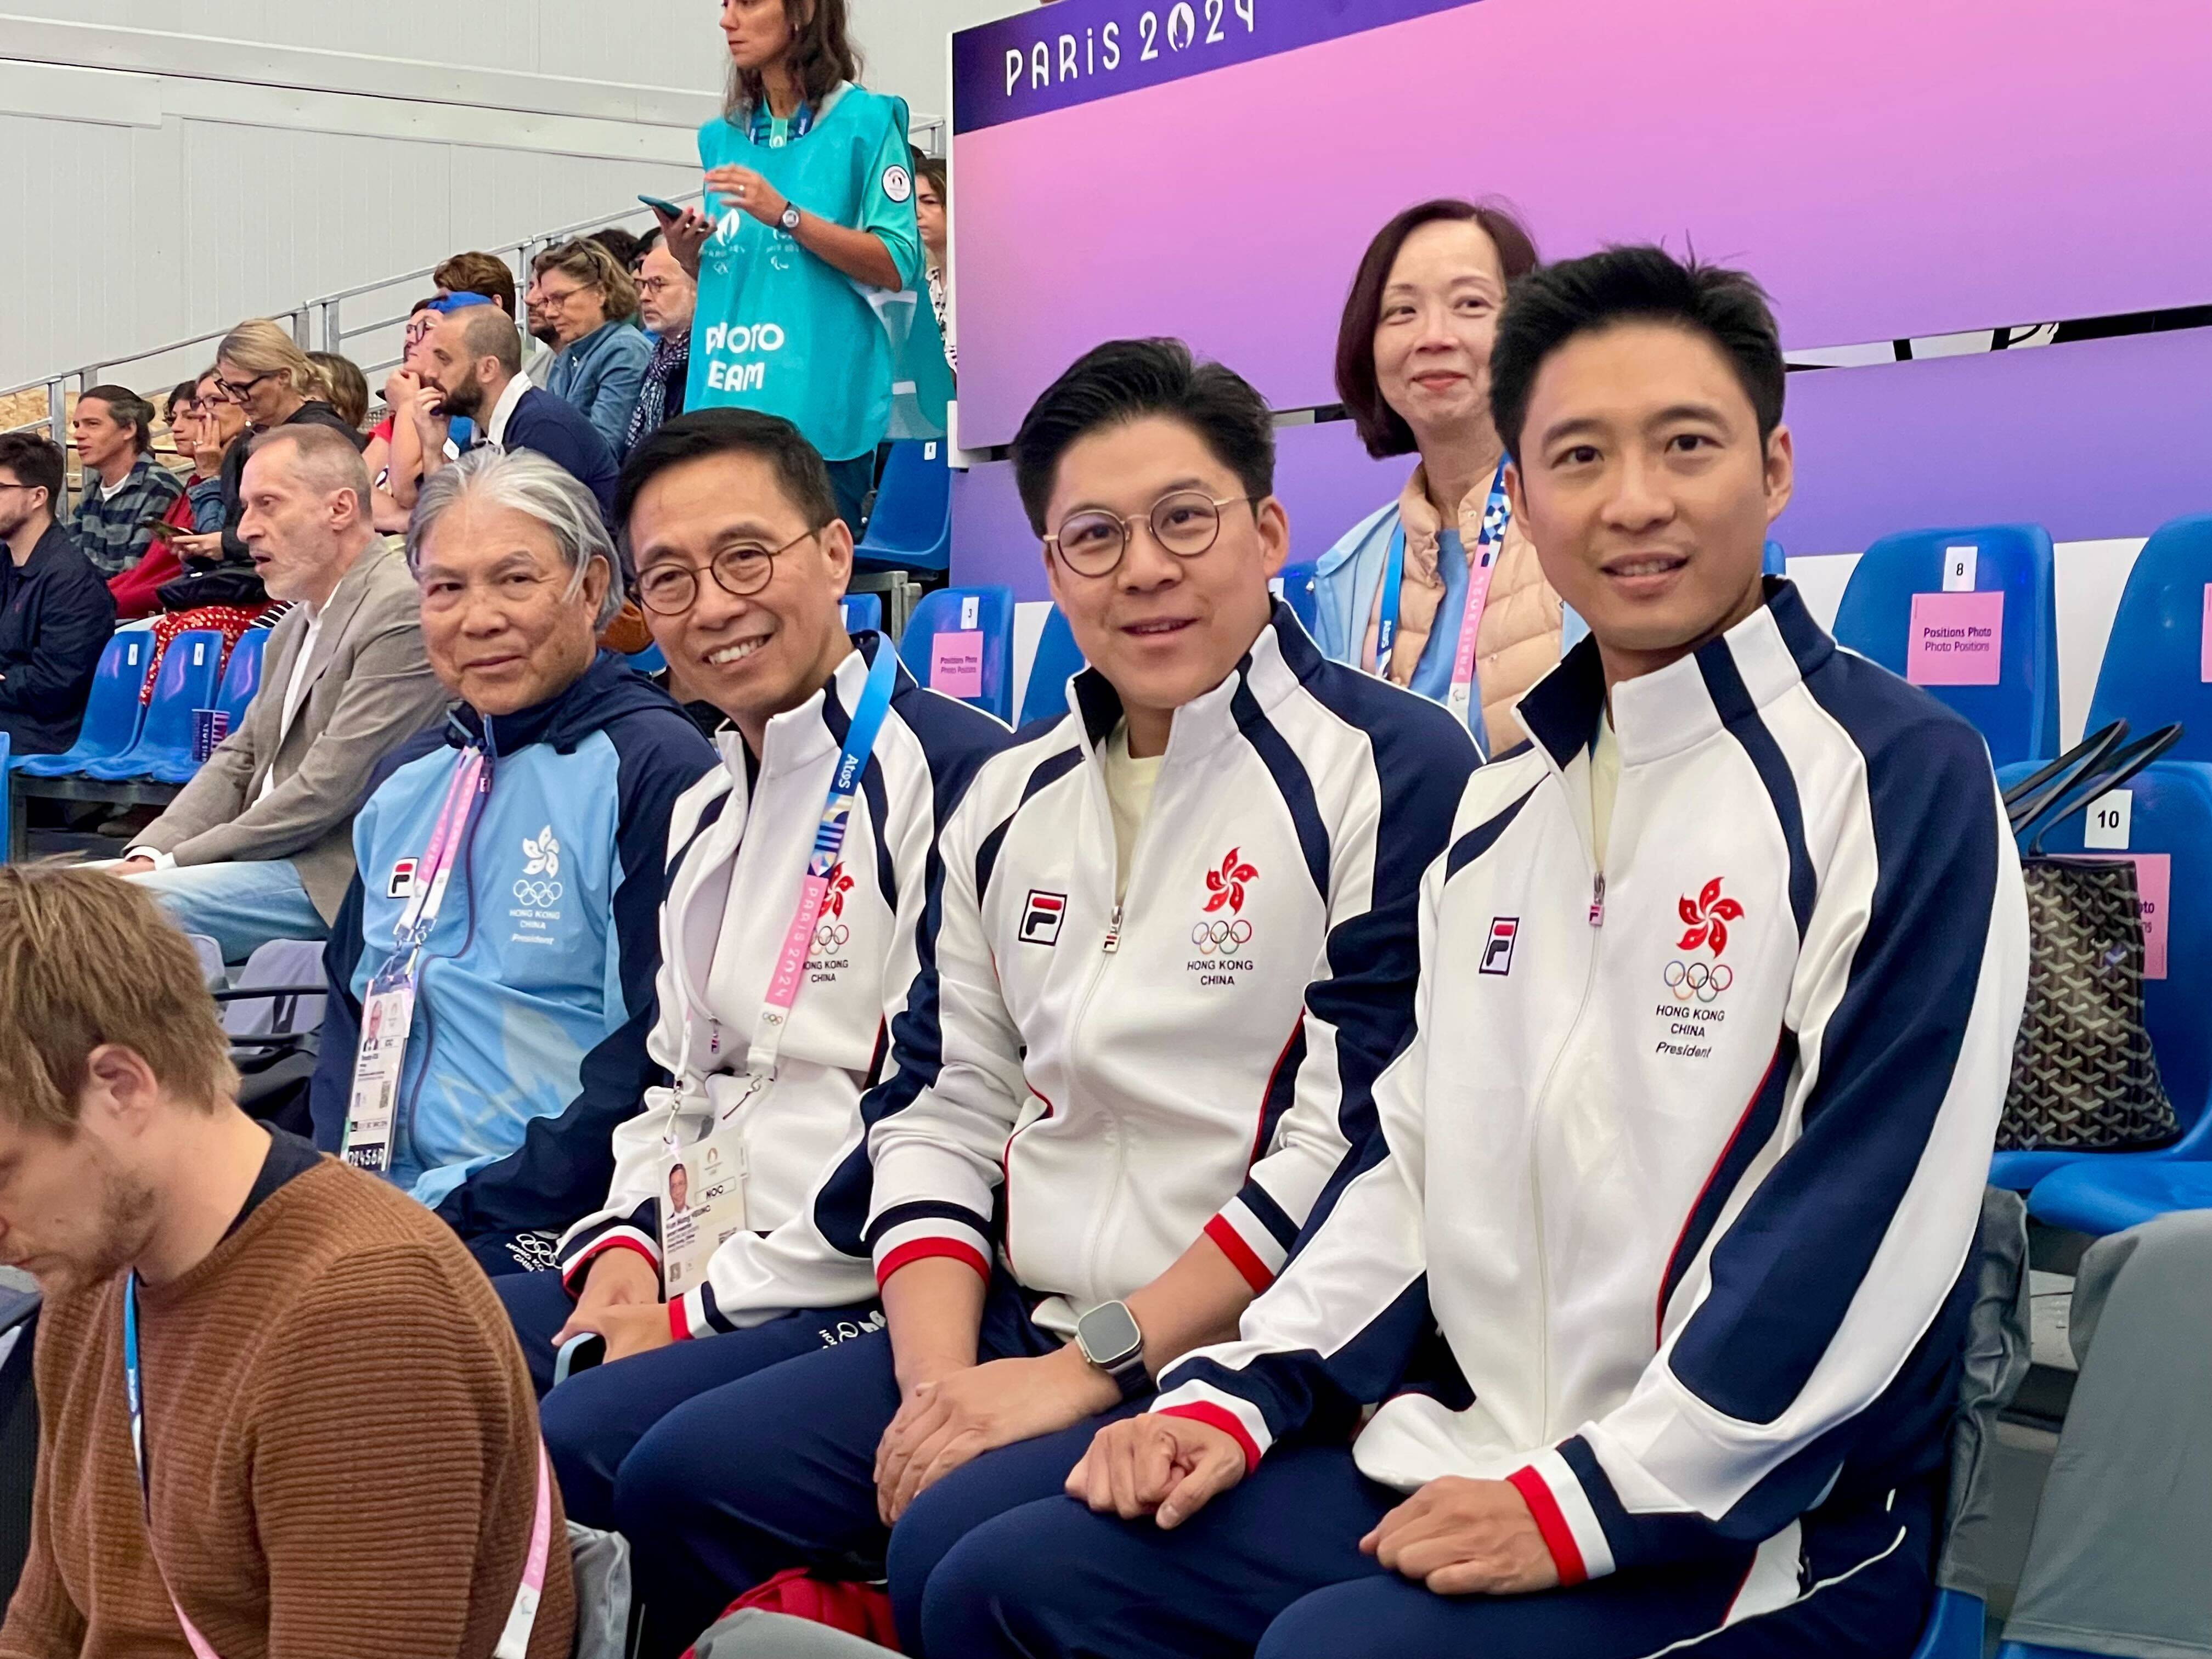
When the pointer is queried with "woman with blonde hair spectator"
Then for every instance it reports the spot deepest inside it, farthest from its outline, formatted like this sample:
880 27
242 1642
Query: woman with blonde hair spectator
262 369
347 385
591 304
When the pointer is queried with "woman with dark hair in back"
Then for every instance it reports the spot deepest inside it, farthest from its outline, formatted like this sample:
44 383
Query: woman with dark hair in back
810 180
1412 367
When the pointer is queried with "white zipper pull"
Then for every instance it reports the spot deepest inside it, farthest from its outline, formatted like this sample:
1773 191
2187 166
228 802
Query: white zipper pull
1597 901
1114 931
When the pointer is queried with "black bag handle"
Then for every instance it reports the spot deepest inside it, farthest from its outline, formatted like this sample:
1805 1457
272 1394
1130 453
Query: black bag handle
2116 771
2066 770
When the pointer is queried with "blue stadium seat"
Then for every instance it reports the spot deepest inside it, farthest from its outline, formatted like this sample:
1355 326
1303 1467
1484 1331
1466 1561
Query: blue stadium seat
111 717
911 528
986 612
651 660
2157 655
185 681
2169 814
241 675
2019 714
1058 660
1955 1627
1775 562
1297 591
864 613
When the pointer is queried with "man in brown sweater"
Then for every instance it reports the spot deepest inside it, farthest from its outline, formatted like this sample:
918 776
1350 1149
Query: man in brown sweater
341 1447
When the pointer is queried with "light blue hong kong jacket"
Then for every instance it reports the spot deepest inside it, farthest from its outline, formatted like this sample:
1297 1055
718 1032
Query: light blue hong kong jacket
1346 578
536 993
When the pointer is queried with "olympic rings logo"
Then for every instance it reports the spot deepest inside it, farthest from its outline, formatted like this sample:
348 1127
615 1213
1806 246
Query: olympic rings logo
1220 938
830 936
1702 980
538 894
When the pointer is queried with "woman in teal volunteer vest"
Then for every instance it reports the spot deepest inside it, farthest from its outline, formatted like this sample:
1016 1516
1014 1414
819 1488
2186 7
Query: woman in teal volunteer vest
1412 367
811 181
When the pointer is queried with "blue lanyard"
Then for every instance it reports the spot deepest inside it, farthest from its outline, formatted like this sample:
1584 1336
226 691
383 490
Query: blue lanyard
853 763
763 128
790 970
1394 579
131 1389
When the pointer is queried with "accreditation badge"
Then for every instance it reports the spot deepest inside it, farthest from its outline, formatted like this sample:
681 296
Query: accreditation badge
702 1202
372 1107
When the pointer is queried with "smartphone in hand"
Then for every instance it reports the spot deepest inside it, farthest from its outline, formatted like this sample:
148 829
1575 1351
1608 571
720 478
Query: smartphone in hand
668 209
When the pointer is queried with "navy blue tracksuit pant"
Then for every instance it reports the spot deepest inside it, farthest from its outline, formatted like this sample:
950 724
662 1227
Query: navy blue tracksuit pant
1273 1568
739 1478
597 1420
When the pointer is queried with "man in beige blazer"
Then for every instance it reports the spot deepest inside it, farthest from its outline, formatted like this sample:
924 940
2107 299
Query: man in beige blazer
259 846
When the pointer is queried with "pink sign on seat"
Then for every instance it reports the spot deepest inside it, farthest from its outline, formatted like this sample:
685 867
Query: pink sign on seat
2153 891
956 664
1957 639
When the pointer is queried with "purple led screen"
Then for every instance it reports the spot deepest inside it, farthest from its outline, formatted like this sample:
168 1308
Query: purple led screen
1888 167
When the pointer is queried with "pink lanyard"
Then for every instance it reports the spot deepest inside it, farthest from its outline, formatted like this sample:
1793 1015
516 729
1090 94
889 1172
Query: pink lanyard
521 1619
1481 566
427 893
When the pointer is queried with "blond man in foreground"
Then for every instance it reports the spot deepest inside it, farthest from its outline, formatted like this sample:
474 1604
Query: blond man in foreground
297 1332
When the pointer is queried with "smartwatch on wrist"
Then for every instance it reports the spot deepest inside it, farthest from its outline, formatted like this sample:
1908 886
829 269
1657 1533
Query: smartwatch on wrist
1109 1339
789 219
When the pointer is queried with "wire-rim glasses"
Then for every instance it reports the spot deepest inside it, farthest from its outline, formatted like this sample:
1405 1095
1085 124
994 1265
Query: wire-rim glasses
1187 523
741 571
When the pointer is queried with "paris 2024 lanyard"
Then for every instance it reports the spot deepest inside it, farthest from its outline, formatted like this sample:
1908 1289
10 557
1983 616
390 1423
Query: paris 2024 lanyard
715 1166
388 1011
1481 566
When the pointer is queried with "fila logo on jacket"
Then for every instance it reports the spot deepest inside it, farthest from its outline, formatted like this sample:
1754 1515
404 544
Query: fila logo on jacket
1201 1056
1687 1165
739 844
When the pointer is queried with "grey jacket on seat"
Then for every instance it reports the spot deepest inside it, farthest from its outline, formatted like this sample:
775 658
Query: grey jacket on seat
369 688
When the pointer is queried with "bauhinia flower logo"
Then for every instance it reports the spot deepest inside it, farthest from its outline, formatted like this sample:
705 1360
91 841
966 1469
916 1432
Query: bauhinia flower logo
1226 884
542 854
839 883
1708 916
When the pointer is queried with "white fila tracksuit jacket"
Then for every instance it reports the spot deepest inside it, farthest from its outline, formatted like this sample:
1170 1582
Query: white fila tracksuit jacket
1089 1087
1686 1160
736 849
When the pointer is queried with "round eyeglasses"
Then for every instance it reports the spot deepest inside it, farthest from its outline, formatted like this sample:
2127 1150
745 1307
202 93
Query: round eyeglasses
741 571
1187 524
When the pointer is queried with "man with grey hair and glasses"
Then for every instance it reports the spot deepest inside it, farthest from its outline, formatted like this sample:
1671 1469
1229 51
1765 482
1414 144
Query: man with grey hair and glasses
492 969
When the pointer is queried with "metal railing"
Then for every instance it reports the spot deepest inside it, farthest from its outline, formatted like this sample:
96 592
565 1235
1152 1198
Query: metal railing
318 324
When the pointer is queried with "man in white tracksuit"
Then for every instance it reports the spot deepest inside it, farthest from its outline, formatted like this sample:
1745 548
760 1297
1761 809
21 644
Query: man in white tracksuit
731 1238
1660 1285
1173 947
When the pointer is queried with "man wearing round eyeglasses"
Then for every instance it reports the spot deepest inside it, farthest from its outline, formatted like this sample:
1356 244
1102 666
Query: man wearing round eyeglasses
1172 947
742 567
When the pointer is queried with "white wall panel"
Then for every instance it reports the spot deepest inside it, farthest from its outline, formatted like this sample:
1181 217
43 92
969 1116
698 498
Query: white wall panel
282 149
